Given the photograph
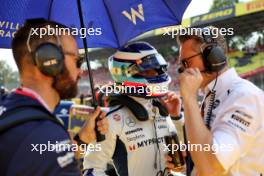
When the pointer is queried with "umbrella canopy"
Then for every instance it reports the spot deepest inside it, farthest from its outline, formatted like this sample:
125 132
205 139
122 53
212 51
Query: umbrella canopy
108 23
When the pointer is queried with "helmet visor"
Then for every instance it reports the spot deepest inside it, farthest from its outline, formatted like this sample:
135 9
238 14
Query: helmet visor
154 61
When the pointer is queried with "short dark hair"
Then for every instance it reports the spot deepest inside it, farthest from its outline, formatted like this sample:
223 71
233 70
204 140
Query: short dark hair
19 43
218 38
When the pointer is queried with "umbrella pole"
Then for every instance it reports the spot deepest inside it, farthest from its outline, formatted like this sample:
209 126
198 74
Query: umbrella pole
99 136
94 102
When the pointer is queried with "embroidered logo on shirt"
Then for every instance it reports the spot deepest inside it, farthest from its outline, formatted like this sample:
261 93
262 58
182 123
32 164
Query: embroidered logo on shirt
66 159
244 114
240 120
130 122
117 117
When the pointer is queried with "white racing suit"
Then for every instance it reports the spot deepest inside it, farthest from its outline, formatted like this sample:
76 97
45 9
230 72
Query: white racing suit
135 147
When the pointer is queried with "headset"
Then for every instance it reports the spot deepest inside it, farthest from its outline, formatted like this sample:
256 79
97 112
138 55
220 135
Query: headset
48 57
214 58
213 55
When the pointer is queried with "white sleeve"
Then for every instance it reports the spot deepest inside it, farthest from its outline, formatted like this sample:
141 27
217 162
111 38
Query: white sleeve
235 131
96 161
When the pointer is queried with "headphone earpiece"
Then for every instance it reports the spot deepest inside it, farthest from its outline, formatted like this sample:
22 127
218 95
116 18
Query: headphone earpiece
213 55
214 58
49 58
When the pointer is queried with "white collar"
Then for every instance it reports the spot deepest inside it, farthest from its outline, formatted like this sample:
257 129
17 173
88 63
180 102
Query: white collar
147 103
223 81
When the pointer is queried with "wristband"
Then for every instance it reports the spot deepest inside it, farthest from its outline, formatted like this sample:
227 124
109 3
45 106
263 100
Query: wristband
78 140
176 117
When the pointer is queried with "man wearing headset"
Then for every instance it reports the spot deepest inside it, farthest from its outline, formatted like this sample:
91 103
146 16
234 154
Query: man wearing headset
33 140
138 123
231 120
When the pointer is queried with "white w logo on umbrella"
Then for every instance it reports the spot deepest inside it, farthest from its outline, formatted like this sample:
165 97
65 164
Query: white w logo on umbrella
134 14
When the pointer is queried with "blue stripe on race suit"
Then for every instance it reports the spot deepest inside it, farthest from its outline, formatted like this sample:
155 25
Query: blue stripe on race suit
89 172
120 158
114 110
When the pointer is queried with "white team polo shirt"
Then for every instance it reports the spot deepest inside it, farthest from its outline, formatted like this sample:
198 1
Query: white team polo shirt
237 124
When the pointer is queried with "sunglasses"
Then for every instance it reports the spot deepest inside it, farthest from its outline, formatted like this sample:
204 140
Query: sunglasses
80 60
184 61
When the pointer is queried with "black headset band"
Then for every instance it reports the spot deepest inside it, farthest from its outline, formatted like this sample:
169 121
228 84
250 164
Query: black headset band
208 38
58 42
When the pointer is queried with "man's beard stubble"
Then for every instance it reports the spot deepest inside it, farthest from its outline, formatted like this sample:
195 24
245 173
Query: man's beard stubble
65 85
